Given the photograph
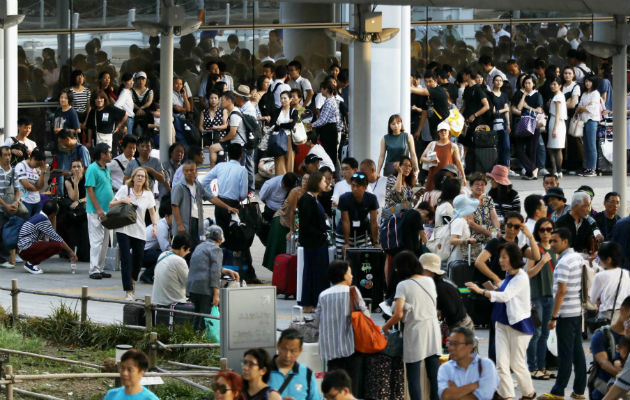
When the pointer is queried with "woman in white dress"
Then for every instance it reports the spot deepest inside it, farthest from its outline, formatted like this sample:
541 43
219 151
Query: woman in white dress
557 126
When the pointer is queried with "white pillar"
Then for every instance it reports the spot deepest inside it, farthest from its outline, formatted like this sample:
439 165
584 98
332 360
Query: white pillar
166 93
619 114
360 100
405 67
2 130
10 74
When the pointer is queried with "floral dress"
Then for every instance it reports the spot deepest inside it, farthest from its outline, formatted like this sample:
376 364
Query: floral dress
481 217
392 197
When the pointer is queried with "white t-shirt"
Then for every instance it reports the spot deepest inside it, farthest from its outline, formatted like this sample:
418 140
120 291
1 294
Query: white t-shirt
460 227
605 285
303 84
319 151
30 145
118 174
24 171
125 102
341 187
377 188
144 202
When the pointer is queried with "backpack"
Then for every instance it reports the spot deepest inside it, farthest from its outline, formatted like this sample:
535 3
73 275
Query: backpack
253 131
17 145
440 241
593 380
268 101
391 232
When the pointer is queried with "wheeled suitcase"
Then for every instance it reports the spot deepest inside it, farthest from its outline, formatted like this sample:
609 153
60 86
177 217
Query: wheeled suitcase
133 314
368 265
170 319
461 271
484 150
285 275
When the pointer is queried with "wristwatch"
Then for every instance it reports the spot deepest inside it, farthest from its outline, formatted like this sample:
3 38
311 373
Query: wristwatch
553 318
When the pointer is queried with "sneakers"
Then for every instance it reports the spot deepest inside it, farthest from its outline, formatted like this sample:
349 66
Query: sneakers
96 275
588 173
32 268
572 172
543 172
18 259
512 173
130 297
105 275
7 265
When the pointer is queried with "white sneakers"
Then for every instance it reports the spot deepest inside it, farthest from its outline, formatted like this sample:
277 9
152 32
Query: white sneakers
32 268
7 265
130 297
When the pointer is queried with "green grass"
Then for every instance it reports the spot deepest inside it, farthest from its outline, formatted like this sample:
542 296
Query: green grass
179 391
13 339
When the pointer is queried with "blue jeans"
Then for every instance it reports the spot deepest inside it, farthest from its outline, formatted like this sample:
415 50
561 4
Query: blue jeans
504 148
130 264
129 125
248 162
590 144
33 208
537 350
413 377
570 354
541 155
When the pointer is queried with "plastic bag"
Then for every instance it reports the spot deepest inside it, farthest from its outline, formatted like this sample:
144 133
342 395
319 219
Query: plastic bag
213 326
552 343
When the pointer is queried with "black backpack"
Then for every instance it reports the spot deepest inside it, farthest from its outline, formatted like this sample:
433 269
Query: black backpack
253 131
267 102
17 145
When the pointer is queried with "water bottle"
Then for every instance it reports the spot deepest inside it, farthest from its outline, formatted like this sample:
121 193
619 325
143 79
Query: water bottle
73 267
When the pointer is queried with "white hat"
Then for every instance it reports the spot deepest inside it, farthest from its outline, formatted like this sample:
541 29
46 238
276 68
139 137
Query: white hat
444 125
431 262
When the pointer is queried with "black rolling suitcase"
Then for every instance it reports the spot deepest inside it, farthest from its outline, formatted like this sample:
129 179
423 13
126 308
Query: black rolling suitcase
485 150
133 314
368 265
461 271
170 319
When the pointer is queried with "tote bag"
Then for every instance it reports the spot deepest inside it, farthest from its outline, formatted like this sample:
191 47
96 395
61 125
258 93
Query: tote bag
368 337
576 127
525 127
277 145
298 134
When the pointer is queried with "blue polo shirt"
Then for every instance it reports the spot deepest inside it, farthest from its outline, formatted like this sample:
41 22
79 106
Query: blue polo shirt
100 179
299 387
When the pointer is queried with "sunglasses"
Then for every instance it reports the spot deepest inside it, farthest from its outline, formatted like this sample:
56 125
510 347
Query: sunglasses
513 226
219 387
548 230
359 175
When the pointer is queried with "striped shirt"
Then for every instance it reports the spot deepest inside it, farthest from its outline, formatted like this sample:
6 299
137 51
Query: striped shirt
569 271
36 230
336 337
6 179
80 99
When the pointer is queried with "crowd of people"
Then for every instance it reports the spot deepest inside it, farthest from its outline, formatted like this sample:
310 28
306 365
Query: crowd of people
457 211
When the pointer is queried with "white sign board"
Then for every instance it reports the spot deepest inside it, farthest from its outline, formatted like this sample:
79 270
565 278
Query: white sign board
248 320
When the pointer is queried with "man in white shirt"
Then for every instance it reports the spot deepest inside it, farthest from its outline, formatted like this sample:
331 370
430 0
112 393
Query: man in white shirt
376 184
171 273
299 82
24 129
279 85
317 151
499 32
535 209
349 167
581 69
486 63
154 246
119 163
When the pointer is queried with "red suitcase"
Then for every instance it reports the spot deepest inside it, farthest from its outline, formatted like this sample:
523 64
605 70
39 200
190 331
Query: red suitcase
285 274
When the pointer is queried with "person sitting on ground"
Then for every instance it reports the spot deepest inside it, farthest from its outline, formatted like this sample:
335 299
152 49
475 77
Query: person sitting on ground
557 202
171 273
337 385
607 219
133 364
21 146
575 221
257 365
30 175
155 246
300 380
33 247
466 374
228 385
317 150
311 163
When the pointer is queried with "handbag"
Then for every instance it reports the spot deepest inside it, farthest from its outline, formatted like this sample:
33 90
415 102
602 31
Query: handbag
277 144
525 127
541 122
112 259
298 134
576 127
213 326
394 346
120 215
368 337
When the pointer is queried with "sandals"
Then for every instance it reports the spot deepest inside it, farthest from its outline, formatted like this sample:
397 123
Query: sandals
531 397
550 374
540 375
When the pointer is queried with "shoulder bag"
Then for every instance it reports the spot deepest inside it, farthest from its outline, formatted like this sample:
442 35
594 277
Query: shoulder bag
298 134
526 126
576 126
120 215
368 337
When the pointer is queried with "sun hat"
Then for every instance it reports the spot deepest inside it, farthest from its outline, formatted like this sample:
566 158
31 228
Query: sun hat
555 192
444 125
431 262
243 91
500 174
464 206
215 233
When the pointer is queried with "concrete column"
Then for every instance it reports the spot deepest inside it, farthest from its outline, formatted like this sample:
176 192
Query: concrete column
306 42
166 92
2 128
619 114
360 107
10 74
63 16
